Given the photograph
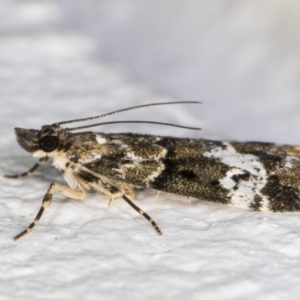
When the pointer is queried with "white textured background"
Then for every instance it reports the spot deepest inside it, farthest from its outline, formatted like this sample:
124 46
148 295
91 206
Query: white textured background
66 59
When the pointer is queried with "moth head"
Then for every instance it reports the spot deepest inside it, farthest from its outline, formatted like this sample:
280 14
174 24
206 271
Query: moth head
31 140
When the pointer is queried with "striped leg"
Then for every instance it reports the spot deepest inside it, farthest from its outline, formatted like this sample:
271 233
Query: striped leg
29 172
145 215
68 192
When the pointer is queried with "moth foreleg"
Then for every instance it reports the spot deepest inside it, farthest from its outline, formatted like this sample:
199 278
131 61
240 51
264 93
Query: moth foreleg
68 192
145 215
29 172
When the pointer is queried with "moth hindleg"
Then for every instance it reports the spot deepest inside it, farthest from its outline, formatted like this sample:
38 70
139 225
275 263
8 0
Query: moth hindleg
68 192
29 172
110 188
145 215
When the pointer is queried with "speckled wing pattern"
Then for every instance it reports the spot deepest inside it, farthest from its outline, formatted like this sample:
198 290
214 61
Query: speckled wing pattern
259 176
253 175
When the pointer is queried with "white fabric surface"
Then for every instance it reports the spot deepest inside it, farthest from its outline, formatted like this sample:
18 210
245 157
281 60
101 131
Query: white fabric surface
86 250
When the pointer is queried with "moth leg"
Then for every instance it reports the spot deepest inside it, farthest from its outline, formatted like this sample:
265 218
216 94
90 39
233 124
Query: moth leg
110 201
188 200
145 215
68 192
157 193
29 172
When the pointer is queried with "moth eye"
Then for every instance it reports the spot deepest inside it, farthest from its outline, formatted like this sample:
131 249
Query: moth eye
48 143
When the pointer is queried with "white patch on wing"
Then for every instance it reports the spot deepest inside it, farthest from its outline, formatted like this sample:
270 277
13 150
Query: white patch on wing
89 158
100 139
131 155
117 142
242 193
137 166
155 174
289 162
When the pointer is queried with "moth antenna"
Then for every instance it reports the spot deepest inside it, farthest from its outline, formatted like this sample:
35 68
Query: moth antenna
139 122
126 109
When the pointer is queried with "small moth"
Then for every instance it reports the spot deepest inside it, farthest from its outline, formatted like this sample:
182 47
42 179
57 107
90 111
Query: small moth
253 175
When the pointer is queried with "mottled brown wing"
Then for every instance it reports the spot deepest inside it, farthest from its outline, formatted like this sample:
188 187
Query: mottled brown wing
197 178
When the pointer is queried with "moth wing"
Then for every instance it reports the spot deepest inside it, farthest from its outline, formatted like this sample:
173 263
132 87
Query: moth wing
189 177
136 173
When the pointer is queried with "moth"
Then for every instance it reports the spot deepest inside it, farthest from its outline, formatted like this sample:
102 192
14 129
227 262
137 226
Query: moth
252 175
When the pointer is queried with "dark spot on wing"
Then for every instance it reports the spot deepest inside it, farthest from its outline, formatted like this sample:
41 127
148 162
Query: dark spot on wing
215 182
238 177
189 174
88 177
257 203
282 197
